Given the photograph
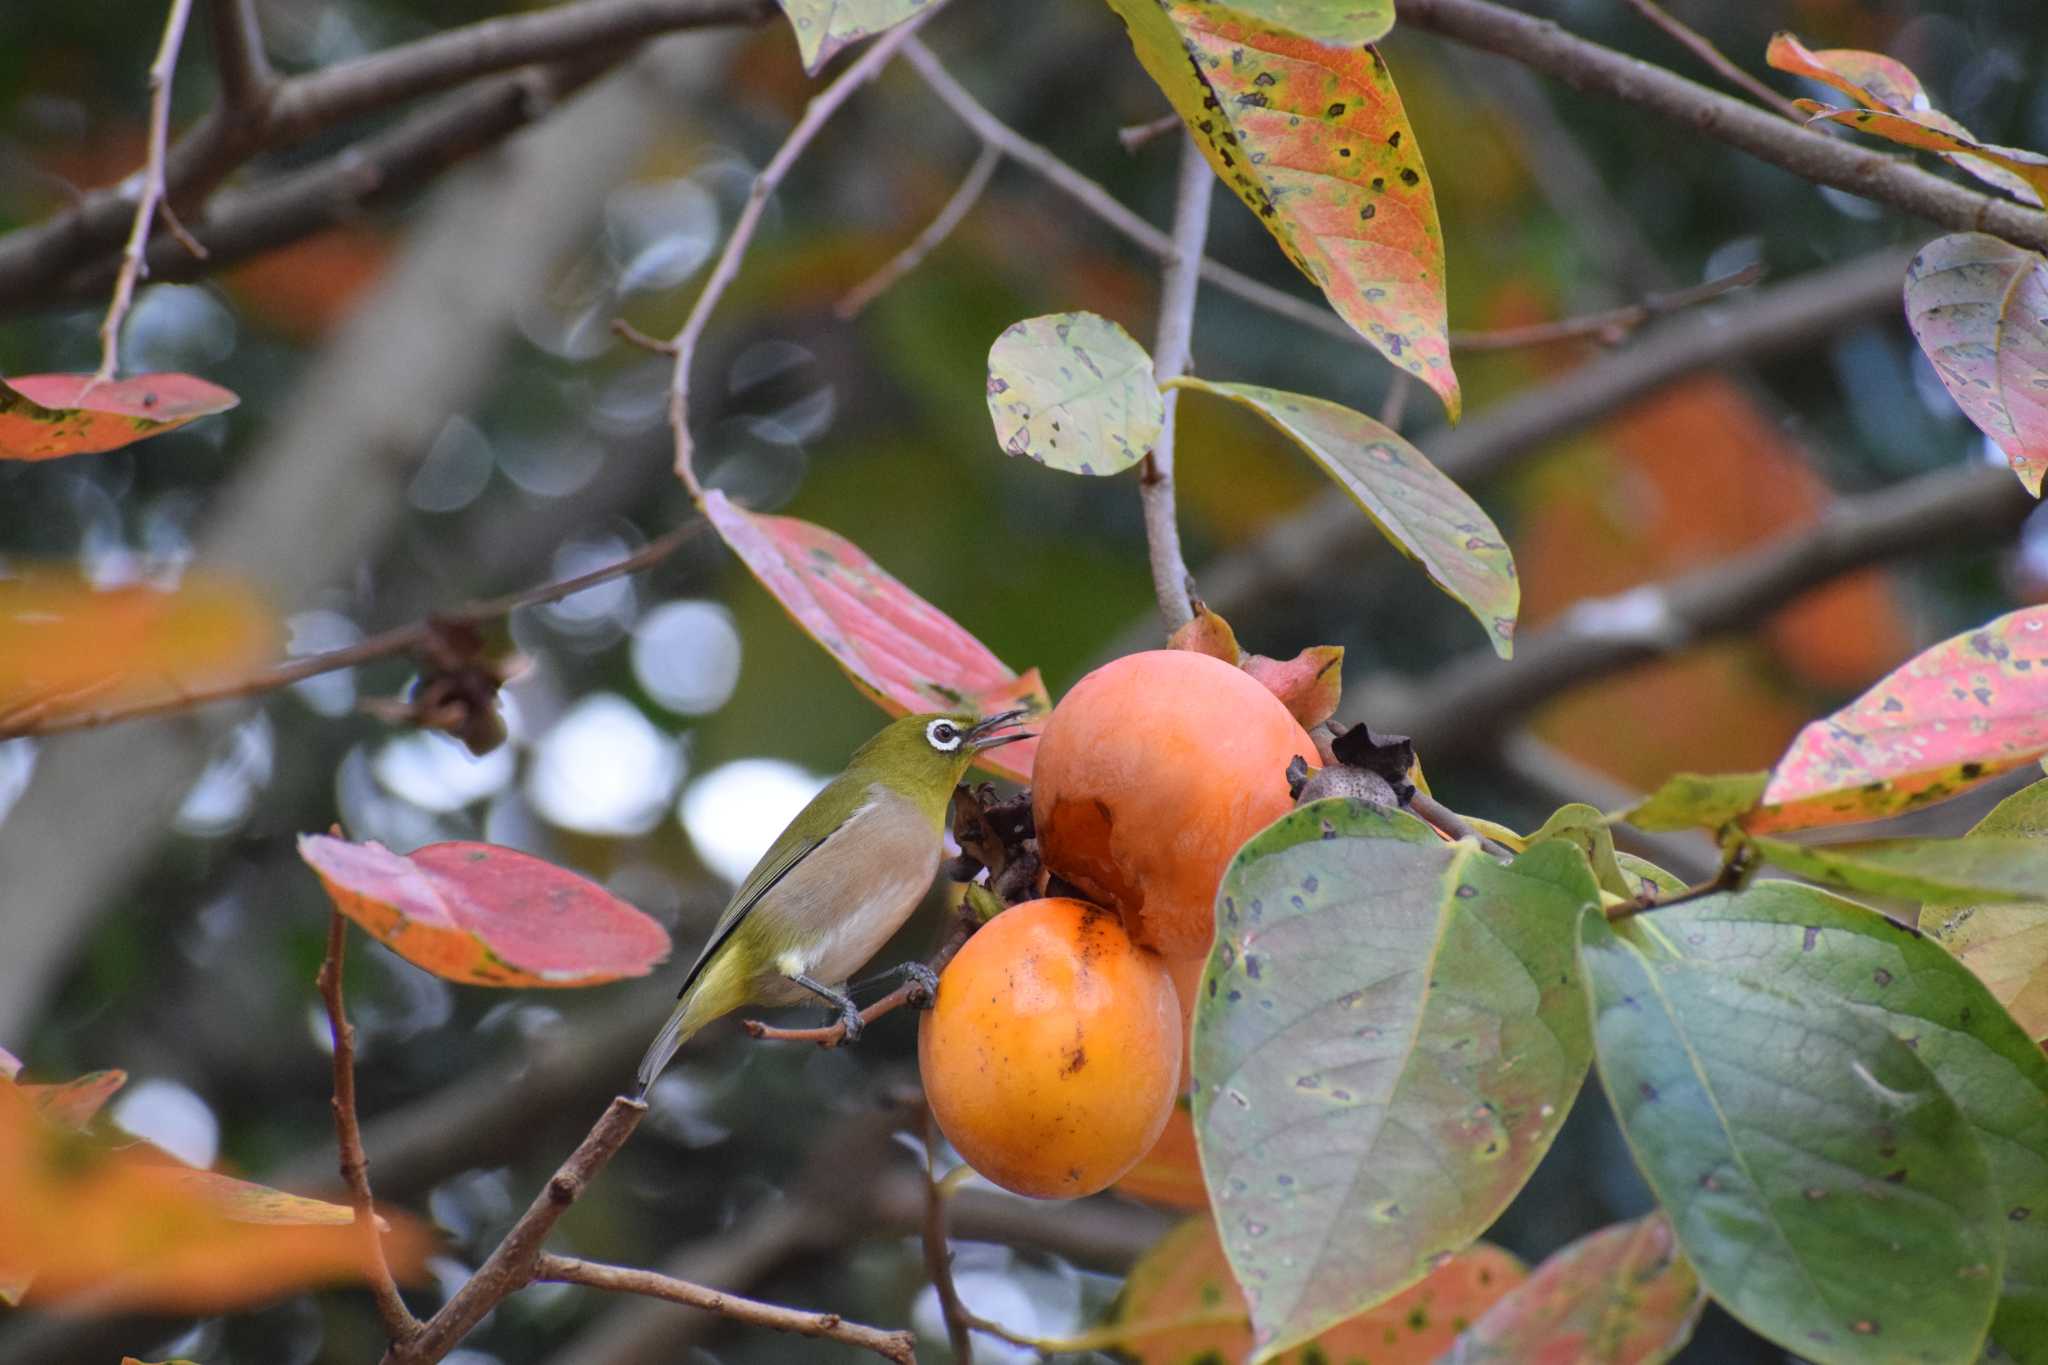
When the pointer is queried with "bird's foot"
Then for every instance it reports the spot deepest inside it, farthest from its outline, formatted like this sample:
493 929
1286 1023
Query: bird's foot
924 986
850 1024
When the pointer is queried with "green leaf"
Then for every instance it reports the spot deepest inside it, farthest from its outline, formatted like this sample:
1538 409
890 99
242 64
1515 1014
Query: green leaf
1943 871
1426 516
1388 1034
1826 950
825 26
1314 139
1829 1192
1073 392
1696 800
1585 828
1333 23
1645 876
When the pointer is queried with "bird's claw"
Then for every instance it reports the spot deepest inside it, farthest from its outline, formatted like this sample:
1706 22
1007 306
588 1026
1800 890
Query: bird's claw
850 1024
924 986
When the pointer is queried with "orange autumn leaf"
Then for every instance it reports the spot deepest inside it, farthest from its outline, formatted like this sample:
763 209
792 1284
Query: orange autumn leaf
73 1103
44 416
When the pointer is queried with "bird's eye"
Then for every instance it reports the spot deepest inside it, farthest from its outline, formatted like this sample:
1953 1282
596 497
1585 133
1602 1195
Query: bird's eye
944 735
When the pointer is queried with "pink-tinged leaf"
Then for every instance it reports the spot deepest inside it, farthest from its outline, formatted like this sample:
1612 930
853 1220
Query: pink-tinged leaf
1978 306
1968 709
2019 172
1208 634
73 1104
823 27
43 416
905 653
485 915
1870 78
1314 139
1310 683
1624 1295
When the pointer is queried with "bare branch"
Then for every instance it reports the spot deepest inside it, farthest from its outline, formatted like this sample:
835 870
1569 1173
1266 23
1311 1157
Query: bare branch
1698 44
1137 135
355 1164
1814 156
897 1346
816 115
241 64
1611 325
903 262
403 639
1170 361
938 1255
910 993
150 192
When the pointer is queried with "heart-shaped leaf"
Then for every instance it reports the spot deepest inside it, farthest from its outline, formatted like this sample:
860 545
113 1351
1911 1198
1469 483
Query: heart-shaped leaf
1978 306
1073 392
1696 800
1624 1295
1388 1034
487 916
1426 516
68 646
1180 1306
823 27
1827 1189
1829 951
1968 709
1944 871
43 416
901 650
1312 136
2006 945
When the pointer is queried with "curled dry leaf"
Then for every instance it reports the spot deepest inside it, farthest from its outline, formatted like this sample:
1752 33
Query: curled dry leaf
1978 306
901 650
487 916
1309 685
44 416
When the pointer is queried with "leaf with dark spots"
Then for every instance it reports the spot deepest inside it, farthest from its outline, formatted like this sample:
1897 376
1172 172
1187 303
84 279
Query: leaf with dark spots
1761 1097
1448 1031
1978 306
44 416
1074 392
1696 800
485 915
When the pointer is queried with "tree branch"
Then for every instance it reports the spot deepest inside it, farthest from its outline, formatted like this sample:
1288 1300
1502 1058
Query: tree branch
816 115
1815 156
938 1254
1465 706
355 1164
1698 44
1609 326
897 1346
1170 580
903 262
240 63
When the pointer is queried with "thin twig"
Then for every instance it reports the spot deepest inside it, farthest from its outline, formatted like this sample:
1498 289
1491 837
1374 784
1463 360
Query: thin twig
1170 579
897 1346
1611 325
1452 823
1395 405
909 993
1699 45
816 115
938 1255
956 208
1732 875
26 719
1136 135
512 1266
242 66
149 193
355 1163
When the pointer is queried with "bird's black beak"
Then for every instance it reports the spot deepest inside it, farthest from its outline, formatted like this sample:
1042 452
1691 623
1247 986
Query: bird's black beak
982 734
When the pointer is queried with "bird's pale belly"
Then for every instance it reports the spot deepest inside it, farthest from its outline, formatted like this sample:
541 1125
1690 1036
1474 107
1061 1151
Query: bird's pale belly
856 933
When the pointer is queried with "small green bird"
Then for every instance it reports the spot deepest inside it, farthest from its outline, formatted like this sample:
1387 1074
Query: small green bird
838 882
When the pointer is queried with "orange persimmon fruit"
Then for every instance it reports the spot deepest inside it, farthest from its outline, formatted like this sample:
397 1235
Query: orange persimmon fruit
1052 1055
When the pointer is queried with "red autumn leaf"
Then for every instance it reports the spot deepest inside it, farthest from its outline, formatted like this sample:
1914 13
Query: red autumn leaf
1978 306
1207 633
74 1103
1958 714
67 646
1181 1305
901 650
1624 1295
1313 137
1309 683
487 916
1872 79
43 416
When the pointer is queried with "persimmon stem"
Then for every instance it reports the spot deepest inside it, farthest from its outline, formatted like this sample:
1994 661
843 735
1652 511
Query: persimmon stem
398 1320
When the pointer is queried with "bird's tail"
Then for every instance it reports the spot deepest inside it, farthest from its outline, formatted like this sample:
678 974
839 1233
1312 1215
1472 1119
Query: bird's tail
717 990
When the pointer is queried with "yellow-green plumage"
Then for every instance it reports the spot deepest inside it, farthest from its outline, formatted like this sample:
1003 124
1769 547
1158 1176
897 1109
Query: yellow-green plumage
838 882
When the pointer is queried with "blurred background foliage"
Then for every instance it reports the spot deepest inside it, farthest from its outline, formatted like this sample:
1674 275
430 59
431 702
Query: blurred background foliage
667 724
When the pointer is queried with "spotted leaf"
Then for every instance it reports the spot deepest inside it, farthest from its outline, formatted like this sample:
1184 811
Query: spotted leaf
901 650
1387 1036
1310 133
1978 306
1179 1306
1073 392
1696 800
486 916
2006 945
823 27
1968 709
1624 1295
44 416
1426 516
2022 173
1826 950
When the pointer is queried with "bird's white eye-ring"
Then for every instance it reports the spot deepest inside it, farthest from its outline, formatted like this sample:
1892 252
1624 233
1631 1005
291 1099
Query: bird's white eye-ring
943 735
